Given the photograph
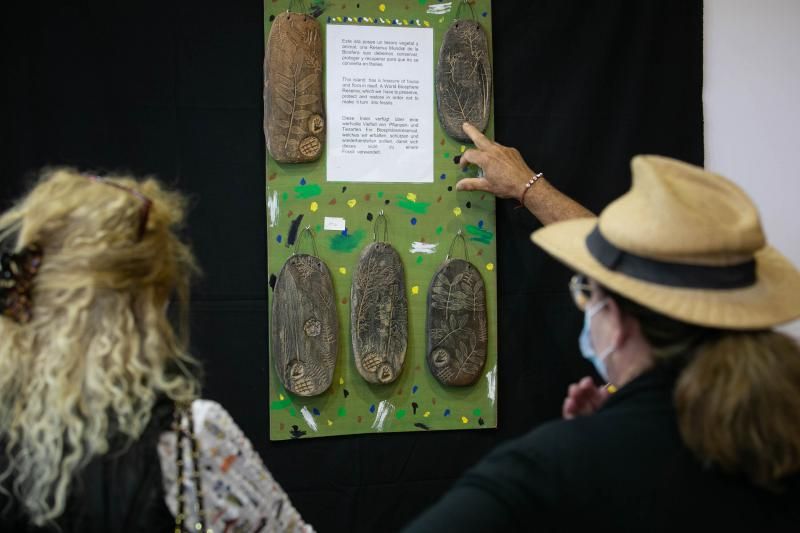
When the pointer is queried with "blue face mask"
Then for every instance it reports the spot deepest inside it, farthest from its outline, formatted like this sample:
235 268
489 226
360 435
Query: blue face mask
585 341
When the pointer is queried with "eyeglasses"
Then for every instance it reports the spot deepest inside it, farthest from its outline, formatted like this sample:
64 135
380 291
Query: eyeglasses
144 211
581 291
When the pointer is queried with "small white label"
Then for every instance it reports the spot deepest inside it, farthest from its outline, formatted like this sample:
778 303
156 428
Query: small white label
335 224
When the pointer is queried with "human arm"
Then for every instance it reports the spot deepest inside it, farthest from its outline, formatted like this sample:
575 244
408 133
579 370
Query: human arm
238 490
505 174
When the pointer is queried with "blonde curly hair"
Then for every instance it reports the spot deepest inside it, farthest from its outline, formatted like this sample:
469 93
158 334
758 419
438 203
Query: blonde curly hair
100 349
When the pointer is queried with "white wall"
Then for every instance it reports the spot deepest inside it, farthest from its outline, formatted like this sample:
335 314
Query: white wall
752 109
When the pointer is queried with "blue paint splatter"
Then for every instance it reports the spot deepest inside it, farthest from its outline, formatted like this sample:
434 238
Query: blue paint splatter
447 412
315 411
372 408
344 232
414 389
279 238
302 181
484 13
480 224
443 177
413 221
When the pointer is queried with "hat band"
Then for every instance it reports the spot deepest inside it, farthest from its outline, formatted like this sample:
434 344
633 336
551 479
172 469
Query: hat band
670 274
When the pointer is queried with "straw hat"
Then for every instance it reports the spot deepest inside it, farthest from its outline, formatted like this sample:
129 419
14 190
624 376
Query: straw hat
684 242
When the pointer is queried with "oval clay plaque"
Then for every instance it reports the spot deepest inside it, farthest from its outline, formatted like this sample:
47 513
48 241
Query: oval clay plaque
379 314
463 79
456 326
294 124
304 330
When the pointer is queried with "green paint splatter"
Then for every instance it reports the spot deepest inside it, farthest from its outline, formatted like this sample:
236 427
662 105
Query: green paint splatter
380 194
318 228
476 412
285 196
415 207
419 260
400 413
346 243
447 155
309 190
480 235
439 230
342 411
292 412
277 405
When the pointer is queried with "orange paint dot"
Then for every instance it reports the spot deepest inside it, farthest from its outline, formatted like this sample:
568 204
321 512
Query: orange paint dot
344 300
227 462
289 214
367 197
441 142
332 202
358 419
438 200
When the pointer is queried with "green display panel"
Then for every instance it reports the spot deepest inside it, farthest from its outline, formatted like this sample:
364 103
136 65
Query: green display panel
299 195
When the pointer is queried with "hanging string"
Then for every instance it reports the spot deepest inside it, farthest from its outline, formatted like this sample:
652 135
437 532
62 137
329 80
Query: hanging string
303 8
459 235
378 219
307 230
469 5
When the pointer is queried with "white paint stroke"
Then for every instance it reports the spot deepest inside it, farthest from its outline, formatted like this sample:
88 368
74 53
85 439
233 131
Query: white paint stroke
439 9
423 247
335 223
273 209
309 418
385 408
491 378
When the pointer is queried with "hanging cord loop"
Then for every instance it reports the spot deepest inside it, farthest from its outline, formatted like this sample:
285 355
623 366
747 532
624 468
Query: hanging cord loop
380 218
459 236
310 232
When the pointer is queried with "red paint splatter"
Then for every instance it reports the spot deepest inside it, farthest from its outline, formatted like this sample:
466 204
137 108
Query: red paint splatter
367 197
441 142
438 199
227 462
290 214
344 300
358 419
332 202
273 176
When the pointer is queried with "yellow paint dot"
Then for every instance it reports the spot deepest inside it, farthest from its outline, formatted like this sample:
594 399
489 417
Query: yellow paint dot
411 196
342 270
351 202
382 8
341 381
338 19
489 266
405 22
427 414
464 419
428 24
463 148
330 423
457 211
415 289
281 397
314 206
441 20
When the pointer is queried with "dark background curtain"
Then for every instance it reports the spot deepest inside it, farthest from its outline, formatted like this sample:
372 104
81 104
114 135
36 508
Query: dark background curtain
173 88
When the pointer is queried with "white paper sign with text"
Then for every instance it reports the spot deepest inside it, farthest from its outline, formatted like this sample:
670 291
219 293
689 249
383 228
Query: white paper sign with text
379 101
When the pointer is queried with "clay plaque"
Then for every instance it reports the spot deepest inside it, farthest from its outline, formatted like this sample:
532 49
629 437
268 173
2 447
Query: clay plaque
294 119
463 79
456 326
379 314
304 330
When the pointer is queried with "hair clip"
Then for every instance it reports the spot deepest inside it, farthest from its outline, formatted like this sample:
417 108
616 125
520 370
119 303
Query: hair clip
17 271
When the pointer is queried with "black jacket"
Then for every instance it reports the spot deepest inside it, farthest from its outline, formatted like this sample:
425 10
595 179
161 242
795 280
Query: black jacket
624 468
121 491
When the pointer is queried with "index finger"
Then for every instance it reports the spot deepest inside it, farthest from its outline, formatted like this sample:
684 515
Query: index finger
478 139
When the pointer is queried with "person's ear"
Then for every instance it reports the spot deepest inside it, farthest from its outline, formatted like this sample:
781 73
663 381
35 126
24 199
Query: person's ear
617 323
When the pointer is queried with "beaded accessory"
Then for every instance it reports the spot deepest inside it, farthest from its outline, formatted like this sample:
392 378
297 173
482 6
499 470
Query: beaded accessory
528 186
180 516
17 272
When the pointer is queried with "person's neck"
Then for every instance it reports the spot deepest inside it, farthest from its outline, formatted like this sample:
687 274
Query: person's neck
631 361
